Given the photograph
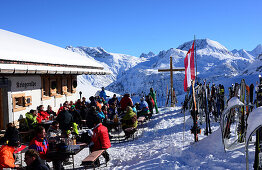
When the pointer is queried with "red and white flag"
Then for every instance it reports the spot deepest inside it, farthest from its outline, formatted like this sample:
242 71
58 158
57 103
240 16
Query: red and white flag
189 67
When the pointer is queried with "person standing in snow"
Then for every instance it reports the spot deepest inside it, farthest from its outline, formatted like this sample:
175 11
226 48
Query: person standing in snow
102 94
100 139
150 103
153 95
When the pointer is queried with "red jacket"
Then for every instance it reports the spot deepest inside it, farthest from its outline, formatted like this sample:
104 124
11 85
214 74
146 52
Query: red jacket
40 145
42 115
100 138
7 159
125 101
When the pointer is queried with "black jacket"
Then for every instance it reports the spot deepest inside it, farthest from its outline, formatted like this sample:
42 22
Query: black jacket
65 120
38 164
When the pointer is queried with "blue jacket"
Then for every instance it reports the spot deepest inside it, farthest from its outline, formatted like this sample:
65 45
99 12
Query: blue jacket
144 106
101 115
103 94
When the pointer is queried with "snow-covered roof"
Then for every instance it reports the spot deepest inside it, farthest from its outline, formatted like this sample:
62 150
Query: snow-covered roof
15 47
35 69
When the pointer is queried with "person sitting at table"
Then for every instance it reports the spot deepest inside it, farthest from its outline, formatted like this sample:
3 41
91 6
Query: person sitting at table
7 159
90 117
42 115
65 104
100 139
10 133
78 104
84 101
65 119
125 101
39 142
33 161
50 111
100 114
114 99
112 111
76 114
31 117
143 108
71 103
53 132
129 120
93 101
53 136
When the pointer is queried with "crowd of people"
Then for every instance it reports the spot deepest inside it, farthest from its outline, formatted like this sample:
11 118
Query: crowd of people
100 115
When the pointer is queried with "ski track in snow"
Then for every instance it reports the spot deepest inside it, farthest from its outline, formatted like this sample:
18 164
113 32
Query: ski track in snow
161 146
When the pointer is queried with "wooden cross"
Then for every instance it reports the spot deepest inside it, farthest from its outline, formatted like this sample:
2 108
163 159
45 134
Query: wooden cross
171 69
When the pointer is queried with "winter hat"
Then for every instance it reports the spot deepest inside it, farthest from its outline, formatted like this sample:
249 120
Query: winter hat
12 136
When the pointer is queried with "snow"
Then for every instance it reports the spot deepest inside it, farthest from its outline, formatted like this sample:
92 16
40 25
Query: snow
253 121
256 51
161 146
21 48
117 64
234 101
164 142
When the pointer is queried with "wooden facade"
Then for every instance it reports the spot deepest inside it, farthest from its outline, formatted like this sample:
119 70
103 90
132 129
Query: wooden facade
1 110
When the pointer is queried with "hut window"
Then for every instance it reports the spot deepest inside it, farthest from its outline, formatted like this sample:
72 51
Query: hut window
74 84
45 86
53 87
19 102
45 82
64 86
59 85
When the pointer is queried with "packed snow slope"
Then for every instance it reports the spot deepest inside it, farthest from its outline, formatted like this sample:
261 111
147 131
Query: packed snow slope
160 145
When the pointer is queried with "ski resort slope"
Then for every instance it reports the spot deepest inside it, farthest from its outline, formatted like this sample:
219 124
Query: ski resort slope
160 145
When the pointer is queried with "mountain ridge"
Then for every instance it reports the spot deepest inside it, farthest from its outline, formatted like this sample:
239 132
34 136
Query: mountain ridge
135 74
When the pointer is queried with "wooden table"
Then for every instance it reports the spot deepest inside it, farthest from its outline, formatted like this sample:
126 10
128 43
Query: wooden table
46 124
62 156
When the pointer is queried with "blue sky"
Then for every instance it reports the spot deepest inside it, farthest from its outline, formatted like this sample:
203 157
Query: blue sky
135 26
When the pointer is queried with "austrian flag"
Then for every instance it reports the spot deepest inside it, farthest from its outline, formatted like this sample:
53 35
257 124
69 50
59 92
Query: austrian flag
189 67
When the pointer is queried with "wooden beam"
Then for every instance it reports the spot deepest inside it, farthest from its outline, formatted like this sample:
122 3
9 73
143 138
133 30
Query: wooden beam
174 69
171 78
171 69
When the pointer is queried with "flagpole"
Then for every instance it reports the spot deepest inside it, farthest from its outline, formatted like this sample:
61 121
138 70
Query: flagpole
195 55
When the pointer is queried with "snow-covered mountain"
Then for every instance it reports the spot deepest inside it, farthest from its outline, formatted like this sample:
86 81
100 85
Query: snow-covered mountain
116 63
148 55
243 53
256 51
137 74
214 62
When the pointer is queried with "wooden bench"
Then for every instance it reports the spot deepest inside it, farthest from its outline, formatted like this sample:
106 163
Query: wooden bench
141 119
130 132
91 158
